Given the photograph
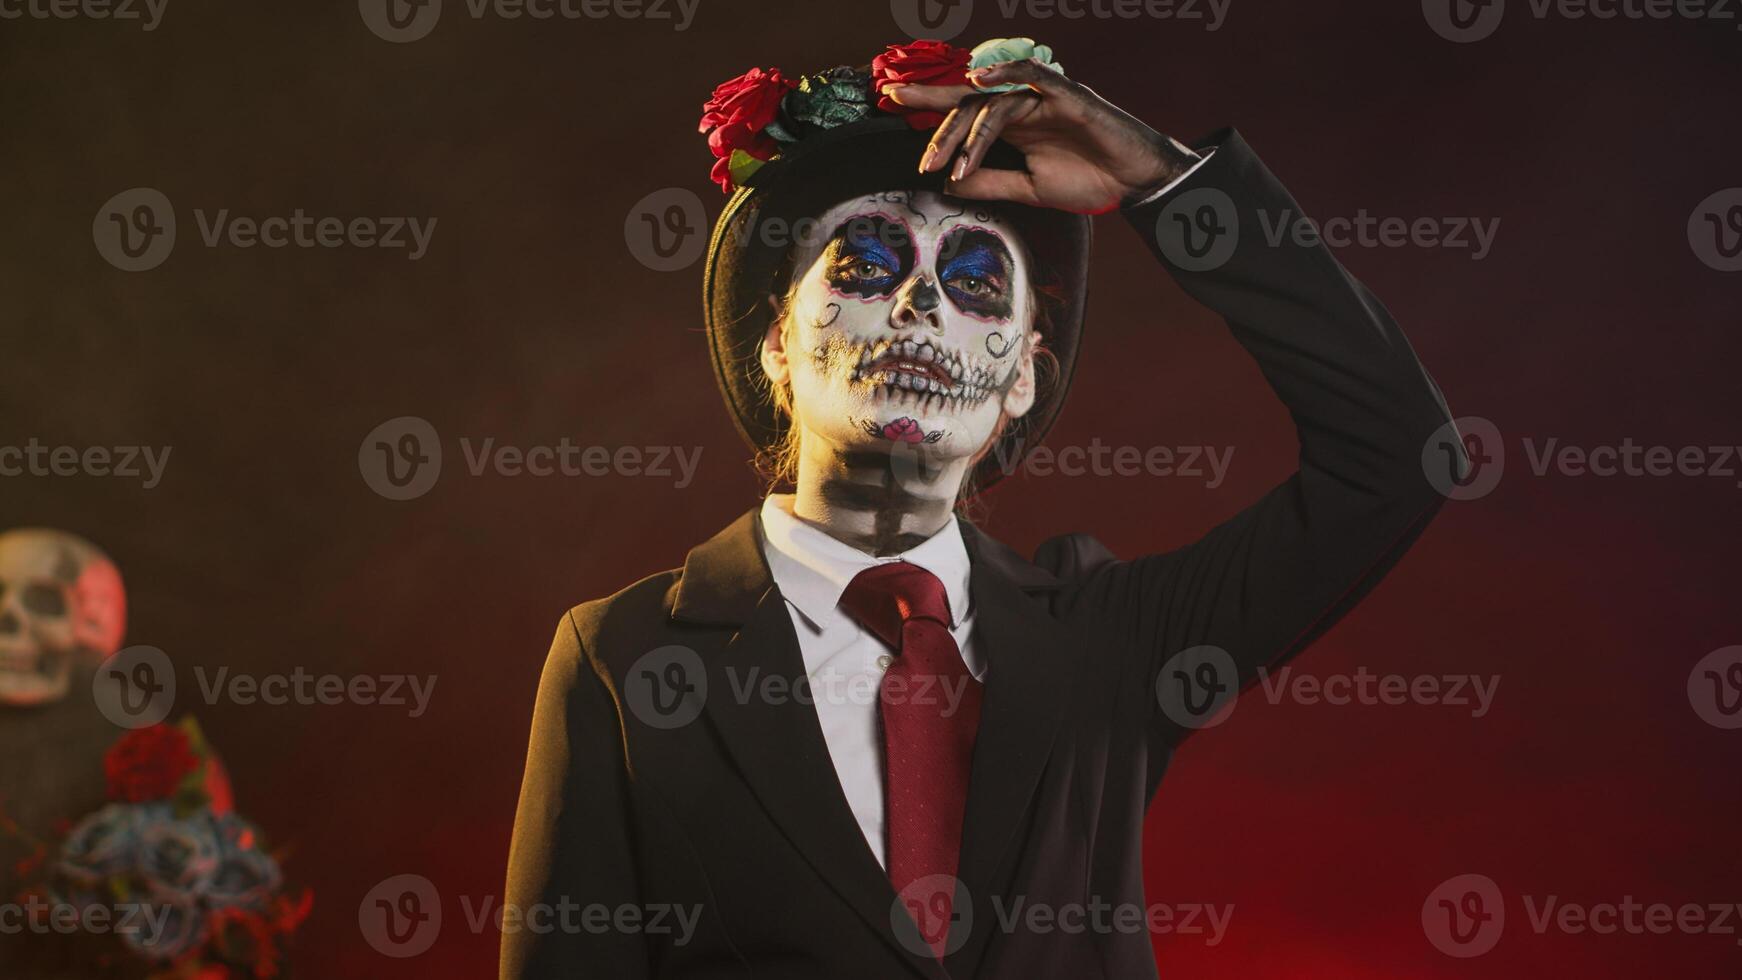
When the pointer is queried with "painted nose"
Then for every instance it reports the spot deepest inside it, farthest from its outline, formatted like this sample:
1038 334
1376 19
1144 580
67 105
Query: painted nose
918 304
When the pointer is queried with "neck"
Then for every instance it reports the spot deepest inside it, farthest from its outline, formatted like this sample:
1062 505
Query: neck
882 502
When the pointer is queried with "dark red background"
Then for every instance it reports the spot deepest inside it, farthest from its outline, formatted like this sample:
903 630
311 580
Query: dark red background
1326 827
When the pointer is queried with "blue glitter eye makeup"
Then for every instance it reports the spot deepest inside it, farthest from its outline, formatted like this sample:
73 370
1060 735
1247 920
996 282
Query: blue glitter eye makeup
974 265
869 256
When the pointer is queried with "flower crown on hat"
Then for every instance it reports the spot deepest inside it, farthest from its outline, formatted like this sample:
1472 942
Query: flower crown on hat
753 118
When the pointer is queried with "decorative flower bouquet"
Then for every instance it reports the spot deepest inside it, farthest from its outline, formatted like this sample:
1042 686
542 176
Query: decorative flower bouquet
752 118
166 881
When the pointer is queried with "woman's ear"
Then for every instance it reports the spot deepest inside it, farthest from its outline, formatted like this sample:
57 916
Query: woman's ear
773 354
1020 398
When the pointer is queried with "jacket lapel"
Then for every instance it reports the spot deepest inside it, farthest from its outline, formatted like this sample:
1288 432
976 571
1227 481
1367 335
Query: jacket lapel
1025 650
778 743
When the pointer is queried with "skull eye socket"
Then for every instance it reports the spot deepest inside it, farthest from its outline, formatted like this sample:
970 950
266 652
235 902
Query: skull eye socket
44 600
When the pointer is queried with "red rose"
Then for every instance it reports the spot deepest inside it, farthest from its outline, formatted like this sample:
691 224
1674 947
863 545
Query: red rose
149 764
919 63
736 115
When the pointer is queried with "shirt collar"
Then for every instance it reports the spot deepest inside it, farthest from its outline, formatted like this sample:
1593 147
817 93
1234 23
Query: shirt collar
813 569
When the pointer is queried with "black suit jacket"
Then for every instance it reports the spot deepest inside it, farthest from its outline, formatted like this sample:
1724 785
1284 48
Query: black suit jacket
737 814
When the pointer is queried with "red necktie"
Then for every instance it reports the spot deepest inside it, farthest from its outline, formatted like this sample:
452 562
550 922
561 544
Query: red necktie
930 708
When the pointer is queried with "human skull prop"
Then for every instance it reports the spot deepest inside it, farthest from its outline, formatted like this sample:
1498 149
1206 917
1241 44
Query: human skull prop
62 605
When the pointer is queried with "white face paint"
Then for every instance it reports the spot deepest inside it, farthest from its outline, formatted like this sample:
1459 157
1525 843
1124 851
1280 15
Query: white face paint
908 325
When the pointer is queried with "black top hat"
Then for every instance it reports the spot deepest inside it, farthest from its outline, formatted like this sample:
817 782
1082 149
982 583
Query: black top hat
749 259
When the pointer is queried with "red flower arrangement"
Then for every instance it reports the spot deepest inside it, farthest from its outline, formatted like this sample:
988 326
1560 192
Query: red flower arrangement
919 63
169 843
149 764
735 117
751 119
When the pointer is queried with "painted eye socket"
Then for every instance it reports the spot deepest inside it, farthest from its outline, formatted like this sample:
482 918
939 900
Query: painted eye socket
44 600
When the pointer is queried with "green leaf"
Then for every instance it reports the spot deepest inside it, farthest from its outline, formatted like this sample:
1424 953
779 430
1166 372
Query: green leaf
742 165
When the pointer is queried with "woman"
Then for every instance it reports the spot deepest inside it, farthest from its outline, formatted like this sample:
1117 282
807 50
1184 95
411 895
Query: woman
852 733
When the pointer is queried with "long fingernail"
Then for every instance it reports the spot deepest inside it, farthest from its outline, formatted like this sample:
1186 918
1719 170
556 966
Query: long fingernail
931 152
961 169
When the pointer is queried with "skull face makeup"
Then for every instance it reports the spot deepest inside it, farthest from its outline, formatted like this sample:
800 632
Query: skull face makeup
909 322
61 604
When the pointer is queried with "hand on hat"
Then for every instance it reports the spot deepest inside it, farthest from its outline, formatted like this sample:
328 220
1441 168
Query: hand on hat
1084 154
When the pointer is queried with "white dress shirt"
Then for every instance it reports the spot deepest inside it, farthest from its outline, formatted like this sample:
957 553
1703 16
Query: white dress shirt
844 662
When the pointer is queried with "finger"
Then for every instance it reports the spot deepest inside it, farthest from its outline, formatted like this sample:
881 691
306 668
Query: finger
1026 72
996 185
988 125
951 132
937 98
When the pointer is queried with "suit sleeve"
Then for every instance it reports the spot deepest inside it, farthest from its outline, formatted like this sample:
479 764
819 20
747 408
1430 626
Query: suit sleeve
1263 585
573 845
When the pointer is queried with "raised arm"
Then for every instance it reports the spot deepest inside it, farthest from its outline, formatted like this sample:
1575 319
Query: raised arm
1262 586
